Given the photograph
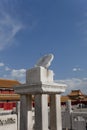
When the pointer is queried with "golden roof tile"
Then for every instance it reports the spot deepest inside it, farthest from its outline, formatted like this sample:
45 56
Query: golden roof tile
5 83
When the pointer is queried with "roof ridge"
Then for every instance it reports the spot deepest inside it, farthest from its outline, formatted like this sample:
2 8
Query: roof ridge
8 79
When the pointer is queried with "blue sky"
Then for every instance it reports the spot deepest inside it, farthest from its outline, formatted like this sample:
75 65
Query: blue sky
30 29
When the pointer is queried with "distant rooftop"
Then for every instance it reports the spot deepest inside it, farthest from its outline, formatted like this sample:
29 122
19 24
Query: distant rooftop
5 83
76 93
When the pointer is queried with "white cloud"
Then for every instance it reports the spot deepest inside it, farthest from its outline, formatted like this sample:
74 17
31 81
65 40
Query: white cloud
75 83
15 74
18 74
8 30
76 69
1 64
7 68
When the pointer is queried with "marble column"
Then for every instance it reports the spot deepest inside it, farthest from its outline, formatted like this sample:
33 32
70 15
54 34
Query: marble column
29 108
25 112
69 106
18 114
41 112
55 112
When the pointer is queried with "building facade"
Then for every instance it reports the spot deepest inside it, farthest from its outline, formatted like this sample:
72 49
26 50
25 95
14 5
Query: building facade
8 98
76 97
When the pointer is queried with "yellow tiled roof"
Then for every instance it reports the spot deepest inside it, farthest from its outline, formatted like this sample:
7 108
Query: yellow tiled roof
76 93
64 98
4 83
74 96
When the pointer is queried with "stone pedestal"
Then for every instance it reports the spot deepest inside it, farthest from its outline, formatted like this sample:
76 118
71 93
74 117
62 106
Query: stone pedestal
39 83
39 75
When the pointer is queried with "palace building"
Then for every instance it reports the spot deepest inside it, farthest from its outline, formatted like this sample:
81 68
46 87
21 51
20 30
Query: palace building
8 98
76 97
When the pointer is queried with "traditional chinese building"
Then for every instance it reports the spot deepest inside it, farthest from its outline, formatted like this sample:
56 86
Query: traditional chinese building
7 96
76 97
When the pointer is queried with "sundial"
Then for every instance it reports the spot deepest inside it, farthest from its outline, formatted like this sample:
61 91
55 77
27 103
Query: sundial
45 61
